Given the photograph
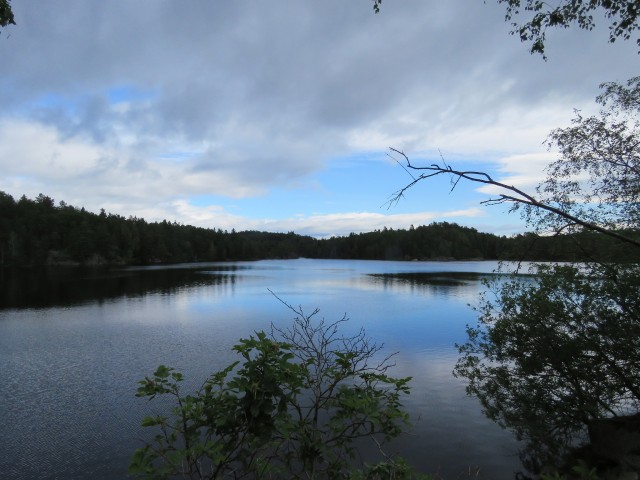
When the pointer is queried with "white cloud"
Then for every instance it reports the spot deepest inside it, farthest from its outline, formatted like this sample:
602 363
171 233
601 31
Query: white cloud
345 223
37 158
31 149
317 225
525 172
516 128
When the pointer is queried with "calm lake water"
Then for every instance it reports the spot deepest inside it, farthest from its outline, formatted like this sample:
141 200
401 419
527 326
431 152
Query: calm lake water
73 345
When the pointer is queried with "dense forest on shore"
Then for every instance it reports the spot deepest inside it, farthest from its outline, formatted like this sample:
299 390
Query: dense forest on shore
37 232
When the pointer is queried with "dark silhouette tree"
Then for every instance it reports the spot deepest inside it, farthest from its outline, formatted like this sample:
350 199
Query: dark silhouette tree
6 14
554 355
531 19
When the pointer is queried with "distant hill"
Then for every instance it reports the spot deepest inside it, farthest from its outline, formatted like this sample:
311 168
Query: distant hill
37 232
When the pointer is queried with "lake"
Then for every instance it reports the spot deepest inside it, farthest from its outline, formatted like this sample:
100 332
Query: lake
74 343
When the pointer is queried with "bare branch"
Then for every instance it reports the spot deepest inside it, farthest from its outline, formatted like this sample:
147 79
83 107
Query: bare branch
520 198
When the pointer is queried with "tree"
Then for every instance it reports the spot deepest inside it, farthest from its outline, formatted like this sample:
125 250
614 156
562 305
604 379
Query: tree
547 358
556 354
595 182
293 408
604 149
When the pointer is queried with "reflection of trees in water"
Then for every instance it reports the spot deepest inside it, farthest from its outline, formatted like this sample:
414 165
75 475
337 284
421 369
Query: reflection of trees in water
39 288
556 362
432 283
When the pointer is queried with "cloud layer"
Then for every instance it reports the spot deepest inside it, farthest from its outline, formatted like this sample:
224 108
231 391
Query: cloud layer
140 106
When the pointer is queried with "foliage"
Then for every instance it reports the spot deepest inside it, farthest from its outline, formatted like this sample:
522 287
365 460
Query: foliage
396 469
580 471
6 14
448 241
293 407
622 14
597 175
37 232
553 353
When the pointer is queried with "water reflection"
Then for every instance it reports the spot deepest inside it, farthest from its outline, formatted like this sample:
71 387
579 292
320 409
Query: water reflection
73 344
435 279
464 286
55 287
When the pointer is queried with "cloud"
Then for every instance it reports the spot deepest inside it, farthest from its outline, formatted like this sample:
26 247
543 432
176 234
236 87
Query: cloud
316 225
34 157
524 172
146 105
345 223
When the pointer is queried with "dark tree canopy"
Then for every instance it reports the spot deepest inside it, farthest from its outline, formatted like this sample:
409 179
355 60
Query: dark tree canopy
37 232
557 353
537 16
531 18
6 14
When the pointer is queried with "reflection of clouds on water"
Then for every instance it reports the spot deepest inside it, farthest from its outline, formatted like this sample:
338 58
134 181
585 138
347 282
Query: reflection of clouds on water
103 338
446 422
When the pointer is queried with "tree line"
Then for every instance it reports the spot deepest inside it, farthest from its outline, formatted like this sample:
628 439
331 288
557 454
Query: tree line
38 232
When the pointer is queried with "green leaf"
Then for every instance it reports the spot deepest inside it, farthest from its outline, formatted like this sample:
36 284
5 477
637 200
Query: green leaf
149 422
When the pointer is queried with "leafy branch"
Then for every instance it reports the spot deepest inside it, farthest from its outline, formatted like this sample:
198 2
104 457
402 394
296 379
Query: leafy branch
293 407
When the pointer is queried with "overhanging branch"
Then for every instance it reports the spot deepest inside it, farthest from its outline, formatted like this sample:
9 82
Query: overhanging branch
520 196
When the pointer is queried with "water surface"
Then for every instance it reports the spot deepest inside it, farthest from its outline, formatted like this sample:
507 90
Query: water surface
74 343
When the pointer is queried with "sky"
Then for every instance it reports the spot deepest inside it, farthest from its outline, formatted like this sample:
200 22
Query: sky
279 116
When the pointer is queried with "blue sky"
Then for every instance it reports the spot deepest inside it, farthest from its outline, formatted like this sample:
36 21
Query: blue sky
229 115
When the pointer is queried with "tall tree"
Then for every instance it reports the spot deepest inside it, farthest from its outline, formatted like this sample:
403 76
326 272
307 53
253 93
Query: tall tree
597 175
555 355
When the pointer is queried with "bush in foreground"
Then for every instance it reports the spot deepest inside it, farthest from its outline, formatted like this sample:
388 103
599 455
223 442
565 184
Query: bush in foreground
294 406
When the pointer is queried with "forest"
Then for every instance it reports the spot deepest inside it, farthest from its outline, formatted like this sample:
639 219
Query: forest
36 232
